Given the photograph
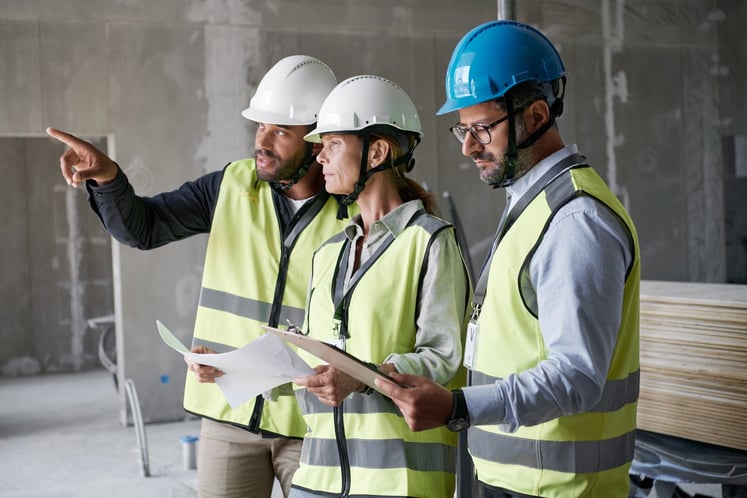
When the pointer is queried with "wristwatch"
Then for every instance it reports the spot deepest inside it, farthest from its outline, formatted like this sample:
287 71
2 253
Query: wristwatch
459 420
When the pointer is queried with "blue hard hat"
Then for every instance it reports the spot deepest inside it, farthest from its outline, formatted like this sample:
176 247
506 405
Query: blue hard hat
493 58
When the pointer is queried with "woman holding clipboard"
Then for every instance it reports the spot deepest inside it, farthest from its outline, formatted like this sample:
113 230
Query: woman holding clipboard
392 289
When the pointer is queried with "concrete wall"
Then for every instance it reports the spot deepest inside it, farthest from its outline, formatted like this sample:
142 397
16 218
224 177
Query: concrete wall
654 87
56 265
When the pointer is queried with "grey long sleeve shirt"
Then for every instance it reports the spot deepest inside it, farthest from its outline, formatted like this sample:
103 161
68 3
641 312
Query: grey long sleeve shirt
578 272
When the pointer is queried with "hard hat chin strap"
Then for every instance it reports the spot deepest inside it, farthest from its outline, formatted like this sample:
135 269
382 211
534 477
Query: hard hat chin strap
347 200
512 154
365 173
308 159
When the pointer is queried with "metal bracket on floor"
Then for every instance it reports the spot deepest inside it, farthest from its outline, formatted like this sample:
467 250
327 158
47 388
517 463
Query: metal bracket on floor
137 418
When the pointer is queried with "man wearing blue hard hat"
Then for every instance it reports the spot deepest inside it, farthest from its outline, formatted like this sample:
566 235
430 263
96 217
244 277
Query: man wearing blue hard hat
552 343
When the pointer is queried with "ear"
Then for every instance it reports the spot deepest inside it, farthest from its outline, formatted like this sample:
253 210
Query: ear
378 152
536 114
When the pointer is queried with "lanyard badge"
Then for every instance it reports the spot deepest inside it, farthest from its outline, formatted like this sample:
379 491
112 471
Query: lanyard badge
338 335
473 333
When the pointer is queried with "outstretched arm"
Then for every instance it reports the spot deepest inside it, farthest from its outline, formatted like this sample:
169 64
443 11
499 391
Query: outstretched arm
82 161
142 222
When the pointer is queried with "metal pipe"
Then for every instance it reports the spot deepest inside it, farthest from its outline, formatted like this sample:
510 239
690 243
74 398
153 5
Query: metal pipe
507 9
137 420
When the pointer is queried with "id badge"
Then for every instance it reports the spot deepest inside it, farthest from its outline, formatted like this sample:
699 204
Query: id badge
470 347
337 340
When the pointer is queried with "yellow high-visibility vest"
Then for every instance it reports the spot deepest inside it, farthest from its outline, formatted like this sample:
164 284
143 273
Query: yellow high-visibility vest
588 454
254 276
364 447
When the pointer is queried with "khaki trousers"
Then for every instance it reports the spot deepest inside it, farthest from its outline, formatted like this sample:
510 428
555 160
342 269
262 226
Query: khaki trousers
235 463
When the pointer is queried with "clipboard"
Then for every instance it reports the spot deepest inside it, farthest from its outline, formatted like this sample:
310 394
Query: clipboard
338 358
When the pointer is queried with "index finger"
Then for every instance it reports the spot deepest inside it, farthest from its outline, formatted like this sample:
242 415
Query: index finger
66 138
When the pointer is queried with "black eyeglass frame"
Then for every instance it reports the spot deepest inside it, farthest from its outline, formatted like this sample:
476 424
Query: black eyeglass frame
460 132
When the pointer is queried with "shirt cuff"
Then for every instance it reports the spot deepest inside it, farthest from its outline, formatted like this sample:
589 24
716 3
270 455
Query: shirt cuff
119 182
484 405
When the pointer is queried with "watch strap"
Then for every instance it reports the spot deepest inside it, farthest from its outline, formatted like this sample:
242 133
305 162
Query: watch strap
459 420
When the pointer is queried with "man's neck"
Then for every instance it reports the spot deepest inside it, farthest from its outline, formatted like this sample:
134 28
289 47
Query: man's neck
308 185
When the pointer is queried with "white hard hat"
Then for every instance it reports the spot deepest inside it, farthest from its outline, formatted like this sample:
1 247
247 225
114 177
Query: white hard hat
365 101
291 92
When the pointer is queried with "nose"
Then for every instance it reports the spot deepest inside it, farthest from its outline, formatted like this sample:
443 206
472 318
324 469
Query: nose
471 145
321 158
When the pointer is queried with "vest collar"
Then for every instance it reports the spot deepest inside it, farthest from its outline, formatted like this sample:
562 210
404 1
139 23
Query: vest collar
520 186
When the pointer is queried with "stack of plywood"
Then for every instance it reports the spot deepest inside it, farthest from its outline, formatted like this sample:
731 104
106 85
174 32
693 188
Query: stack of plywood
694 361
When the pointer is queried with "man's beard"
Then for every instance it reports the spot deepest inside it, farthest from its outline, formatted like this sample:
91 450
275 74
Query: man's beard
497 173
282 170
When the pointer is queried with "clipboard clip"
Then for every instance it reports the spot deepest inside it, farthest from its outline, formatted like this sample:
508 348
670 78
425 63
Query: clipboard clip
293 328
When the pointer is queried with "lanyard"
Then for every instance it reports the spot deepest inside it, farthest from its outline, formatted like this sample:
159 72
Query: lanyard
290 232
340 298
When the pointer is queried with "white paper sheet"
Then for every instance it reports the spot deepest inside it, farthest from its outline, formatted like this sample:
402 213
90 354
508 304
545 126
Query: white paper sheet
338 358
264 363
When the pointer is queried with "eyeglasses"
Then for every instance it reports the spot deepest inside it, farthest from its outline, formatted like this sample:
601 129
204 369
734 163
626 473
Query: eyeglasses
480 132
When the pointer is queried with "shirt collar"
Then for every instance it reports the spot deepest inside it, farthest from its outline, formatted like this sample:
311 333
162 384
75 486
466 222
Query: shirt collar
394 221
520 186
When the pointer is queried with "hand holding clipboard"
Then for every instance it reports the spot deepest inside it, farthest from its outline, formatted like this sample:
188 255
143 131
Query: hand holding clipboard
338 358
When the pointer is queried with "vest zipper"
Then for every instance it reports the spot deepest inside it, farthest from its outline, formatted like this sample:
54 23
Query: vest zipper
342 450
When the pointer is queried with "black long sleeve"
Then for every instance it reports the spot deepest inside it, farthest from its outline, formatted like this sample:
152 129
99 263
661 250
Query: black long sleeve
150 222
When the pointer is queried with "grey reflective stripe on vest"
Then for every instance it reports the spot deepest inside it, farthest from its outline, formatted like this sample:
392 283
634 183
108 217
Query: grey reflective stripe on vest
248 308
560 190
357 403
616 393
430 224
338 237
576 457
218 347
381 454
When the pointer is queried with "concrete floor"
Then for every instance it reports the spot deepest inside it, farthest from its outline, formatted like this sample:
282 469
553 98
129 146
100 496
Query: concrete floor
60 437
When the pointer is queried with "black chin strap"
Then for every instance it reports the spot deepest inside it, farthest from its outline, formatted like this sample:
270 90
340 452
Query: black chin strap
365 173
555 110
308 159
512 154
347 200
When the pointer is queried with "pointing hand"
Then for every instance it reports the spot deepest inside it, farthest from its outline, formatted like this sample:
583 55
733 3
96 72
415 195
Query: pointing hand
82 161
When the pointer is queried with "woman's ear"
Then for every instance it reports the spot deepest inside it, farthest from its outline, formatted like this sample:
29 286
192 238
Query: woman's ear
378 152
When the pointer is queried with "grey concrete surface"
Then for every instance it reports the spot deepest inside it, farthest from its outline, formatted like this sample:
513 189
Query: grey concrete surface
60 437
